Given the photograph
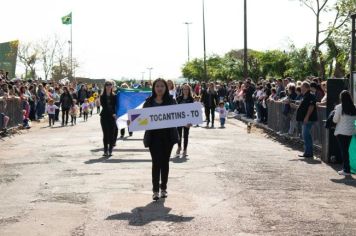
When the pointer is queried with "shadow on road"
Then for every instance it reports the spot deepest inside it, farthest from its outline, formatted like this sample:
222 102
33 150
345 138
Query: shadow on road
348 180
113 161
178 159
154 211
121 150
309 161
131 139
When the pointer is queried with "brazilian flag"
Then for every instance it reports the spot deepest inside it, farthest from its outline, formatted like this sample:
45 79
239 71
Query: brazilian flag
67 20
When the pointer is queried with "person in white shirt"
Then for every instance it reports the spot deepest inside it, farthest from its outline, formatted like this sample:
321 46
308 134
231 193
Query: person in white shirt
51 111
222 113
345 116
172 89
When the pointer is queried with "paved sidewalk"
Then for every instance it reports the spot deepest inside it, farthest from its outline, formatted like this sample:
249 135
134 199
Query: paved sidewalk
53 181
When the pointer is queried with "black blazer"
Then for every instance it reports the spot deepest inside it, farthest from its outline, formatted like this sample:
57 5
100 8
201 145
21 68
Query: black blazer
173 132
180 99
107 112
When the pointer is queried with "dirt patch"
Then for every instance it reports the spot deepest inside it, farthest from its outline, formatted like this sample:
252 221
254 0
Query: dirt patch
9 220
6 179
72 198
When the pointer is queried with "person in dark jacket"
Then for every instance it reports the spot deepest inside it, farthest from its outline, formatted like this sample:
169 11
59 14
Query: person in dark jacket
82 95
108 118
161 141
210 101
66 102
307 114
186 97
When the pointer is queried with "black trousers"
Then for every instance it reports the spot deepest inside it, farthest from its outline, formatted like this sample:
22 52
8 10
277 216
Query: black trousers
210 111
65 114
109 128
51 119
160 153
56 117
186 137
344 144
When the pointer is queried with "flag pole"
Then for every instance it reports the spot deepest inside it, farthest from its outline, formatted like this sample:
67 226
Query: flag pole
71 47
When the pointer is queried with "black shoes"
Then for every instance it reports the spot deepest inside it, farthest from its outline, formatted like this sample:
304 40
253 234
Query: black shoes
305 156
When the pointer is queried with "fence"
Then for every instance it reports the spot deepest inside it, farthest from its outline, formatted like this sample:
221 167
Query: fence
279 122
12 108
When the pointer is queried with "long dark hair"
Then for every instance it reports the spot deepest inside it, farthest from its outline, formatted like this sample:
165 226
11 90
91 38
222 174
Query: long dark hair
166 97
348 107
103 94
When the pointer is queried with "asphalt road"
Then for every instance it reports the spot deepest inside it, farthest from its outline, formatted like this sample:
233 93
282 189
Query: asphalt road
53 181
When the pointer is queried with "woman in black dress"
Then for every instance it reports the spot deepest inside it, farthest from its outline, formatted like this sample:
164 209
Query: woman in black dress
66 102
108 118
161 141
186 97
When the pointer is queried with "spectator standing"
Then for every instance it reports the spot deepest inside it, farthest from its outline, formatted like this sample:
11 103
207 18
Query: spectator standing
307 114
345 116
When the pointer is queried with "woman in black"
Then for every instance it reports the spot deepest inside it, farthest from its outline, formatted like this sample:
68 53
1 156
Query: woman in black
108 118
186 97
161 141
66 102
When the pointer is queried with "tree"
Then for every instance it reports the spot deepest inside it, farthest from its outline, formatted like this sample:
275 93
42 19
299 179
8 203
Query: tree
47 51
342 11
28 55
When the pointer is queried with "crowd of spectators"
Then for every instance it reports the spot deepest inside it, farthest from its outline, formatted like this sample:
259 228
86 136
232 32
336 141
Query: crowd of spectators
34 95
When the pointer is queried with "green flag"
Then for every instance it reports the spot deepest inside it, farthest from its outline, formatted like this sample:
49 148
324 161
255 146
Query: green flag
67 20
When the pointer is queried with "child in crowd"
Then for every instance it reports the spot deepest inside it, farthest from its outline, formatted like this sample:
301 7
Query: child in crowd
97 104
51 111
197 99
85 109
222 113
91 105
73 112
25 120
4 119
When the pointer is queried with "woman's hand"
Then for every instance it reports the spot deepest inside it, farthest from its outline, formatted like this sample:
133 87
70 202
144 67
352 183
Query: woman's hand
114 115
188 125
128 122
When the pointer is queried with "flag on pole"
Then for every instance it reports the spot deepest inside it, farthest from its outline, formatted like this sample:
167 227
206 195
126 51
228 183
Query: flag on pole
67 20
127 99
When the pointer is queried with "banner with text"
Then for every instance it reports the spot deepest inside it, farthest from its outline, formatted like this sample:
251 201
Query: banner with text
165 116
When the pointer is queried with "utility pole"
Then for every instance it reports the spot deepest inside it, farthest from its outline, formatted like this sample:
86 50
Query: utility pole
245 40
188 23
205 70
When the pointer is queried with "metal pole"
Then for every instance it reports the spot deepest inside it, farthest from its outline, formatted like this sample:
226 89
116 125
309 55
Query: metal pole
205 70
353 57
71 50
188 23
150 69
245 40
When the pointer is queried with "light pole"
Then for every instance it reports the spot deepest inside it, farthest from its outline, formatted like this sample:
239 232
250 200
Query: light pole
150 70
188 23
205 70
245 40
143 76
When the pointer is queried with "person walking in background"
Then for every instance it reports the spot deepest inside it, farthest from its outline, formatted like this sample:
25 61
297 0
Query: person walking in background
108 118
161 141
210 101
172 89
74 111
222 113
345 116
85 109
307 114
66 102
186 97
122 131
51 111
82 95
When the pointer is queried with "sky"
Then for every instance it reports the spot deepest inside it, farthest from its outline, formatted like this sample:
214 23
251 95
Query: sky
122 38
